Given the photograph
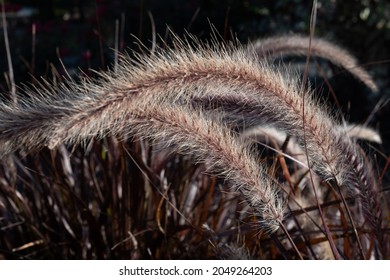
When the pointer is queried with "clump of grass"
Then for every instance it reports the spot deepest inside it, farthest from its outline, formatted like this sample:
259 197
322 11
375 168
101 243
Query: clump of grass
122 193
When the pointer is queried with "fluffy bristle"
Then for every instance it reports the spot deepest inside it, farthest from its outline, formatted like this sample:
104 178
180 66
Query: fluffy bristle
298 45
133 100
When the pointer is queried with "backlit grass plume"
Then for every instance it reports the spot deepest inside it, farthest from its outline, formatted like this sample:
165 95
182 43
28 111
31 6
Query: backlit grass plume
296 45
193 95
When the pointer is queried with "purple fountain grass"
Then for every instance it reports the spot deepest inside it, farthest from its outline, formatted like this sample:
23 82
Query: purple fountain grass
332 153
192 132
278 46
212 76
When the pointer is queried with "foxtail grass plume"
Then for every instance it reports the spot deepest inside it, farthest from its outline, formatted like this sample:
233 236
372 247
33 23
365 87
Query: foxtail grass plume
279 46
226 77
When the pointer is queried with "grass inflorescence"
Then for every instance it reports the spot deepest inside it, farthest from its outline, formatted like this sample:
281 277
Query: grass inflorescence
198 150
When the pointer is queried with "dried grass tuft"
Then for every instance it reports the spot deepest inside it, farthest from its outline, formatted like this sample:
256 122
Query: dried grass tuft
194 100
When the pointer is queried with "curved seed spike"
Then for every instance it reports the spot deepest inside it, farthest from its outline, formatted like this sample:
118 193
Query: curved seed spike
227 77
278 46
